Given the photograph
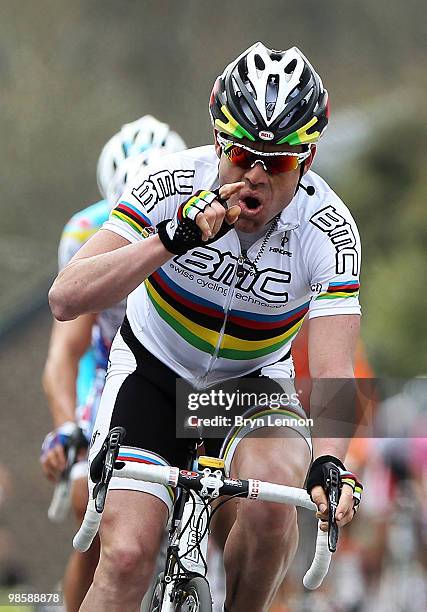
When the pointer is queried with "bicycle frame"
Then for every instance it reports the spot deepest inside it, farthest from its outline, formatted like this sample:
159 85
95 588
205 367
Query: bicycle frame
187 554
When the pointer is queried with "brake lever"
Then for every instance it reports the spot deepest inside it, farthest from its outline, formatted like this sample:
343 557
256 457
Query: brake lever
334 492
113 441
76 443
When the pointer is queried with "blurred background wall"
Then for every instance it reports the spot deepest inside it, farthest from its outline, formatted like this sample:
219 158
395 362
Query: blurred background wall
71 73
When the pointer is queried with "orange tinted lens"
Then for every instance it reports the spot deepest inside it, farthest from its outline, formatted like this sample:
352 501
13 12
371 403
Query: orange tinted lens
238 156
274 164
282 163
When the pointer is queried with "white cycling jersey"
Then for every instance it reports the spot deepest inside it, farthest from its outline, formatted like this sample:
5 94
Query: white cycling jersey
215 312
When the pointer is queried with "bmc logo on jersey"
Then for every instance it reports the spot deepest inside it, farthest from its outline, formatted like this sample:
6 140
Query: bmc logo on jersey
268 285
163 184
341 234
265 135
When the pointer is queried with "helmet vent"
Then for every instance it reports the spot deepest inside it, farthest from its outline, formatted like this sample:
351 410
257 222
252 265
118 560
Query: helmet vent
259 62
242 70
275 57
251 89
291 66
271 95
248 112
287 119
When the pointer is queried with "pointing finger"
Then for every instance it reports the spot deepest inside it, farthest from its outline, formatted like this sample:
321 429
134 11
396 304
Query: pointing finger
227 190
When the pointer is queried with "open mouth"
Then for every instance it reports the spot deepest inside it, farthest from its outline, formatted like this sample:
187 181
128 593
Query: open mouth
250 204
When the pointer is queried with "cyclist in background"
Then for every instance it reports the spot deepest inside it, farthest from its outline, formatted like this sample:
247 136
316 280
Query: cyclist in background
77 359
223 250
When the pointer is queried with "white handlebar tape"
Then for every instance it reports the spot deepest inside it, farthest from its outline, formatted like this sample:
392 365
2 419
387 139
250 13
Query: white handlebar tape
89 528
161 474
61 501
267 491
320 565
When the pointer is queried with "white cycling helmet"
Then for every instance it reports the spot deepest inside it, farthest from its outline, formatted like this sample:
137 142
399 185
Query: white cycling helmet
127 171
141 135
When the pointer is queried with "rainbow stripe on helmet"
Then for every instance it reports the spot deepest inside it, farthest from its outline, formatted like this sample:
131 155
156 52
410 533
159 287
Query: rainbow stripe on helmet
232 128
300 136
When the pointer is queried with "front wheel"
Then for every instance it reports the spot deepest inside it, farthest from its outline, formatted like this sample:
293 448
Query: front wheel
195 596
153 599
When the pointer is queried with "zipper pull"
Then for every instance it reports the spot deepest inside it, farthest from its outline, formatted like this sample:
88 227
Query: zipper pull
241 260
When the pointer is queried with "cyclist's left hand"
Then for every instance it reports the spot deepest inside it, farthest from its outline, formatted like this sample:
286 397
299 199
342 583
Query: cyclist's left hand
345 510
351 491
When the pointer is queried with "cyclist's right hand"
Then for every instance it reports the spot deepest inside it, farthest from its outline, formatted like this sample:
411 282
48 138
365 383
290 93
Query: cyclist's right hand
212 223
204 216
53 459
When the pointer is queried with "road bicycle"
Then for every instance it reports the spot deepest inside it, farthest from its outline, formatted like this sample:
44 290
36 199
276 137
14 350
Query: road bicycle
182 585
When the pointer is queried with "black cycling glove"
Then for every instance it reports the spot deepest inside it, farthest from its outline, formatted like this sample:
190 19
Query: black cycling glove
319 471
181 234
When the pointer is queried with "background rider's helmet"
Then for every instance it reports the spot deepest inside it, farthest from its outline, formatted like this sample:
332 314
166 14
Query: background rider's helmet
128 169
141 135
270 96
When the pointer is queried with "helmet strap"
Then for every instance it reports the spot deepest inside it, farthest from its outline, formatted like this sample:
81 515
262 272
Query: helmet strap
310 189
301 174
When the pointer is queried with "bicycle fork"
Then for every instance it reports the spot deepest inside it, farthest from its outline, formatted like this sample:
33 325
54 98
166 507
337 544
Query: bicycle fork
192 548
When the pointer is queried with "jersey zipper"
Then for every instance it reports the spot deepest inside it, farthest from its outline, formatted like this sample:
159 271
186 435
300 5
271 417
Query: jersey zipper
240 260
238 272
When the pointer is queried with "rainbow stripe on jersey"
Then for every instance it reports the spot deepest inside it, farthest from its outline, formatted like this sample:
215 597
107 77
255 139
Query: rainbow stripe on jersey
199 322
340 290
135 218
